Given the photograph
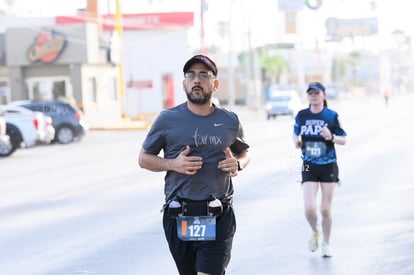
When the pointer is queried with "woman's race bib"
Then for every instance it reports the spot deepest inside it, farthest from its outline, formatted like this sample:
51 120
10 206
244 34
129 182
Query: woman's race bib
315 149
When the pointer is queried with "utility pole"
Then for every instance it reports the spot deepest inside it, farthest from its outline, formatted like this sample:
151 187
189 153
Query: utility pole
119 32
231 92
202 35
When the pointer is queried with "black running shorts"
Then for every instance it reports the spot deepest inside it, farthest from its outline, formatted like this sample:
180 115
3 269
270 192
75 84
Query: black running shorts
210 257
320 173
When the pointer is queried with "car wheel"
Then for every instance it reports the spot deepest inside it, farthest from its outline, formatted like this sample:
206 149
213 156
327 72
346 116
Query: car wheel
6 149
65 135
15 140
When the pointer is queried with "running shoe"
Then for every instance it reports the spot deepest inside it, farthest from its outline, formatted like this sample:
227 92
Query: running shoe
326 252
313 242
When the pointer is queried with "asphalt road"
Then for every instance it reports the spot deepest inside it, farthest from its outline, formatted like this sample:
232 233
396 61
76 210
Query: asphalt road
86 208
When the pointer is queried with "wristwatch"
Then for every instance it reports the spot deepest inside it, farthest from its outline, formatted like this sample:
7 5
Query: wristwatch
333 137
239 168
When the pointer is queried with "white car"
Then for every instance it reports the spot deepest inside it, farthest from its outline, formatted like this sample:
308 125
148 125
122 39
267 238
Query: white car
27 128
283 102
5 144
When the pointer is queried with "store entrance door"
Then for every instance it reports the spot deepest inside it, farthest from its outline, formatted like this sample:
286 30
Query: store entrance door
48 88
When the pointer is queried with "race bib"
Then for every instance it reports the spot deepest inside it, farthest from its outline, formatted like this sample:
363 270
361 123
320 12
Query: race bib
315 149
194 228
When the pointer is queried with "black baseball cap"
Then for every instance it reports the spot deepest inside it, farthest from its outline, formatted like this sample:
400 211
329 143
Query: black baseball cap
201 59
316 86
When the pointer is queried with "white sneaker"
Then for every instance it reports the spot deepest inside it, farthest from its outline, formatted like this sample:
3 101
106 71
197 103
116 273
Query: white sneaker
326 252
313 242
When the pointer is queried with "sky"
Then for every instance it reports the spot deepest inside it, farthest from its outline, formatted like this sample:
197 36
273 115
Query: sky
260 18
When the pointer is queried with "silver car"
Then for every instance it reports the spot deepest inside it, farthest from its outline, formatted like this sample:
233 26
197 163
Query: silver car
283 102
27 128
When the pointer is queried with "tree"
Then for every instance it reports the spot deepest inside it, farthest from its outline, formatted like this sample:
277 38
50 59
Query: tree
273 65
355 60
339 69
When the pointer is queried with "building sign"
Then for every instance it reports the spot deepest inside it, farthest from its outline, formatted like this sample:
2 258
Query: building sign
140 84
339 28
47 47
290 5
313 4
144 21
290 22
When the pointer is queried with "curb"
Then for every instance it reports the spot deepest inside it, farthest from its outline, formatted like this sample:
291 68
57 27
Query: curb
134 126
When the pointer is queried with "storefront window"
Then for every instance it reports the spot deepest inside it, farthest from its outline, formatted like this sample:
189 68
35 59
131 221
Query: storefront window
47 89
91 91
113 90
4 92
58 90
42 90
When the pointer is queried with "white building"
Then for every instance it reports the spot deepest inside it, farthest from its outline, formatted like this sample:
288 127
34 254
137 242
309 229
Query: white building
154 48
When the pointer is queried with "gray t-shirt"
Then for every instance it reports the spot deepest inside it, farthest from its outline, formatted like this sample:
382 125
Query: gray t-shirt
208 136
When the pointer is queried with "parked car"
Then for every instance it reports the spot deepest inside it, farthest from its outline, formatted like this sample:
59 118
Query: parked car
26 128
216 101
282 102
68 121
5 144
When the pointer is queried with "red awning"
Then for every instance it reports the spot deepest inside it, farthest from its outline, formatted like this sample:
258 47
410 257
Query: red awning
137 21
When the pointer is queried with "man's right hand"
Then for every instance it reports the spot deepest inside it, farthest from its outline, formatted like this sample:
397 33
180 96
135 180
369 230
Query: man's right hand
186 164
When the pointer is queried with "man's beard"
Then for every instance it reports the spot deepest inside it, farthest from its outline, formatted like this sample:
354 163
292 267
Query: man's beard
199 100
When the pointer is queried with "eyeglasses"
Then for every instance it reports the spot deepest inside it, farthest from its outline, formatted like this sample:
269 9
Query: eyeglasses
201 75
316 92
